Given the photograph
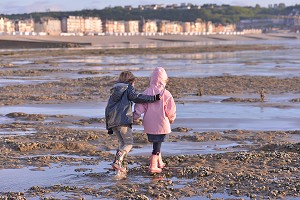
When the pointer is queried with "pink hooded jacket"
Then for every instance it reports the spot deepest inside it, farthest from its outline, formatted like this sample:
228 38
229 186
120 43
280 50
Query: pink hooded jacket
159 115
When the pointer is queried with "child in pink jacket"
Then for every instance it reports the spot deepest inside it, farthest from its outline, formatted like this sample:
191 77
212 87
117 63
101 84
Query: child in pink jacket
158 116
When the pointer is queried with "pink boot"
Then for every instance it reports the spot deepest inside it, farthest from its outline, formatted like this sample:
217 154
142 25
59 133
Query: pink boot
153 164
161 164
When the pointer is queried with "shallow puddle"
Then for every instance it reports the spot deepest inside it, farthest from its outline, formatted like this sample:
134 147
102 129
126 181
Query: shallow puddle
170 148
253 63
199 113
18 81
224 196
279 63
189 148
74 109
209 113
228 116
217 196
9 132
24 178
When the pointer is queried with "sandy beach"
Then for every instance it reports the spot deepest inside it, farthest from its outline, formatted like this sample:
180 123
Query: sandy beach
23 41
258 164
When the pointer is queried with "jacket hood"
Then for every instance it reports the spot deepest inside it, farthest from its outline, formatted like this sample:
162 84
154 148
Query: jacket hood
118 90
159 78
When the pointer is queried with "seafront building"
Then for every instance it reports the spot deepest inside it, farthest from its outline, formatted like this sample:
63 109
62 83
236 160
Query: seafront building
6 26
201 26
132 27
149 26
170 27
24 26
73 24
113 27
78 25
92 25
48 26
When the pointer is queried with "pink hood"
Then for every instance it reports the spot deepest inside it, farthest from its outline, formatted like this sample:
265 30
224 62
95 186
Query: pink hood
159 79
157 115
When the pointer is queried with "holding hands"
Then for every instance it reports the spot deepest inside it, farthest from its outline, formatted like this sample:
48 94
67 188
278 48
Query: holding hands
157 97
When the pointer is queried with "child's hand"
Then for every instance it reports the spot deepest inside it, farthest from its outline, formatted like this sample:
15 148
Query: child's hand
110 131
157 97
137 122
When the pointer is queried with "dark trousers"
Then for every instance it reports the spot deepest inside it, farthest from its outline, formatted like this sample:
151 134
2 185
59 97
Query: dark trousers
156 139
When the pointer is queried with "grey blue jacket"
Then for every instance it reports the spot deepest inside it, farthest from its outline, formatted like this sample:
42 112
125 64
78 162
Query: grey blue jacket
118 111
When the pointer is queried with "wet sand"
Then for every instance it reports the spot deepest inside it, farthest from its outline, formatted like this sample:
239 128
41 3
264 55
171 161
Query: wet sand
260 164
24 41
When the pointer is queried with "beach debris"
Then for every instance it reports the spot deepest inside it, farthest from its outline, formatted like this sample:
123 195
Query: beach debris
181 129
13 195
8 65
119 175
296 100
200 92
262 95
245 100
25 116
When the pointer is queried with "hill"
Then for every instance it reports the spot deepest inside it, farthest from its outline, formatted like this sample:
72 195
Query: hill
209 12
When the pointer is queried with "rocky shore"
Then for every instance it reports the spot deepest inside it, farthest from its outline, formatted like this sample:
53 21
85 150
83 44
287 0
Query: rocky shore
262 164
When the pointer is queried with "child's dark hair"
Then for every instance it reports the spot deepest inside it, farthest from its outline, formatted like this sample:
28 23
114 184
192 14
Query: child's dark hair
126 77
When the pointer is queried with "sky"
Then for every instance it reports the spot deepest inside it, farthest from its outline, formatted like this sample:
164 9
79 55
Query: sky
28 6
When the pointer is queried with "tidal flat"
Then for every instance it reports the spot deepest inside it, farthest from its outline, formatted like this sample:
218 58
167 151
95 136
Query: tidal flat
236 135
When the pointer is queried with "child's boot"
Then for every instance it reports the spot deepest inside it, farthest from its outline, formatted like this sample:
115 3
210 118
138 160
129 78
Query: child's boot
161 164
118 162
153 164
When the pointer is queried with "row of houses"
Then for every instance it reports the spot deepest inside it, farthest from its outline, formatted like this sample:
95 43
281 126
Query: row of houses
189 6
283 23
94 26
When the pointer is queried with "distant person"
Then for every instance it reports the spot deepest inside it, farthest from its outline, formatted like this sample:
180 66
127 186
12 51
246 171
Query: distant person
158 116
119 116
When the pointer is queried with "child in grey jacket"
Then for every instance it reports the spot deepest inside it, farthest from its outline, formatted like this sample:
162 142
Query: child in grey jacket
119 116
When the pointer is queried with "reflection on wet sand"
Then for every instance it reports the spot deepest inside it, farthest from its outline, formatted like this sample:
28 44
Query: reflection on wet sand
198 113
27 177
